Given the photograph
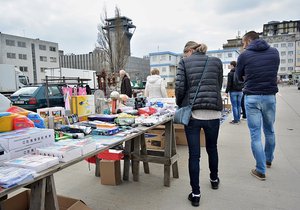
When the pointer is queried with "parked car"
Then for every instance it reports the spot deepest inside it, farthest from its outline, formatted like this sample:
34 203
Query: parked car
5 103
34 97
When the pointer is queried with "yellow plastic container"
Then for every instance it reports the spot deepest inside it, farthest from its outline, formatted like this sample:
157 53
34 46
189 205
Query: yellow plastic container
6 123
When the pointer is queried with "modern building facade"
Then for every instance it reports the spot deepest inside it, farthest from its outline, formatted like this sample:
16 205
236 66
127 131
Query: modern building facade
166 62
31 56
285 37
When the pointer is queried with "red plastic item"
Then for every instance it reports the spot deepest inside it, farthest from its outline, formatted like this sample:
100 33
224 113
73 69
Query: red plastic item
106 155
147 110
21 121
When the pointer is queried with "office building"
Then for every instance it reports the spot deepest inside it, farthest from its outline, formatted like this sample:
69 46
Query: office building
31 56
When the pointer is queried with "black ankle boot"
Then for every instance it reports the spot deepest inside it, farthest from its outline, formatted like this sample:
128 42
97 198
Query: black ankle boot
195 200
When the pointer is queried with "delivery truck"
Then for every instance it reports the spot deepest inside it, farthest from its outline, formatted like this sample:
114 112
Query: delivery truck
11 79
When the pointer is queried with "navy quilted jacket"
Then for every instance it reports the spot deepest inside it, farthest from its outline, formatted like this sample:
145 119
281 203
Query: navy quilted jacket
188 76
257 66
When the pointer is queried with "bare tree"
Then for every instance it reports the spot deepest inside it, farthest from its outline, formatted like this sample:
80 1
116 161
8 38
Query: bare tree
112 41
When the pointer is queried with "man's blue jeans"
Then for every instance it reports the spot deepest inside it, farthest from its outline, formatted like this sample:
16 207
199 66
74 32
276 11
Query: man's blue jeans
236 102
260 110
192 131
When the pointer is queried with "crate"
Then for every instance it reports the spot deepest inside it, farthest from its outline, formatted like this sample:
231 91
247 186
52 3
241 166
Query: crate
155 139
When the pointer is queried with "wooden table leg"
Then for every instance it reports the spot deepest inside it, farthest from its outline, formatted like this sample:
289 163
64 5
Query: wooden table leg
144 152
37 198
136 162
167 154
51 202
1 201
127 157
43 195
174 152
97 167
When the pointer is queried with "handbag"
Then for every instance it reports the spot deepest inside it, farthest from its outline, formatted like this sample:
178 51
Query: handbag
183 114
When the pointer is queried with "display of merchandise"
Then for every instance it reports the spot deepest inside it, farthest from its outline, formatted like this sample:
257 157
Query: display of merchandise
64 153
140 102
105 131
86 145
76 129
11 176
103 117
25 141
35 162
37 120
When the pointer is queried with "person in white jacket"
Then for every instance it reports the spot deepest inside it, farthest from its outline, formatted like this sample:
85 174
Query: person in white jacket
155 86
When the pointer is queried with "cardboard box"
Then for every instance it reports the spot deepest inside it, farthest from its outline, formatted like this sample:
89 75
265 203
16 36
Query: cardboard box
110 171
21 201
155 139
181 138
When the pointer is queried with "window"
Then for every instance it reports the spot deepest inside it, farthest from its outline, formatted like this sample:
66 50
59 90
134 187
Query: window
23 56
290 52
42 47
290 60
53 49
298 60
275 45
283 45
282 68
10 42
23 68
282 61
154 58
290 68
298 52
53 59
290 44
229 55
282 53
43 69
11 55
170 57
54 91
21 44
163 57
163 69
43 58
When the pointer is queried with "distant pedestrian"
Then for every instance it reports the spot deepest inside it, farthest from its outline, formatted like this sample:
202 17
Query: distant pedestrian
125 83
258 67
234 88
206 110
155 86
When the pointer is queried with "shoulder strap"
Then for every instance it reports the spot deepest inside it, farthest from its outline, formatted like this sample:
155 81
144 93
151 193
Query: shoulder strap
200 82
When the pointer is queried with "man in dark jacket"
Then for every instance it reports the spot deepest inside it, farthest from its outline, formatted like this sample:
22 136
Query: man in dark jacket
234 88
258 67
125 84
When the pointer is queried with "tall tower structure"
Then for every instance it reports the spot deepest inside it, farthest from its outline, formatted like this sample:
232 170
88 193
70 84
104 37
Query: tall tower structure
120 30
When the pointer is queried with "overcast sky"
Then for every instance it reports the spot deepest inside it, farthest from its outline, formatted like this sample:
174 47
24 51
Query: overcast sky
161 25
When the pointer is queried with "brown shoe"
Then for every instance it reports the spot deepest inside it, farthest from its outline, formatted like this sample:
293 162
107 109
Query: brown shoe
268 164
258 175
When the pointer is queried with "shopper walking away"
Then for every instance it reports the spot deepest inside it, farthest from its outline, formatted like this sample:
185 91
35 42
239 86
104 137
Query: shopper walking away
258 67
206 112
234 88
155 86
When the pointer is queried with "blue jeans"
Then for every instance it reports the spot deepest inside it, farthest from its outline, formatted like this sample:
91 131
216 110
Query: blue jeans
236 101
260 110
192 132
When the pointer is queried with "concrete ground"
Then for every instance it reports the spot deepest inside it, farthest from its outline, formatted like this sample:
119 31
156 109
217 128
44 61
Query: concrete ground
238 189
